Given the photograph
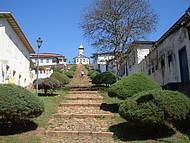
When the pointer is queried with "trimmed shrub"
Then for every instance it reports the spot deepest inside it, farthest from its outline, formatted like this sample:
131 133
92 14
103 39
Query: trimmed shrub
90 72
73 68
131 85
155 107
62 78
87 67
17 103
93 74
106 78
57 68
48 84
70 74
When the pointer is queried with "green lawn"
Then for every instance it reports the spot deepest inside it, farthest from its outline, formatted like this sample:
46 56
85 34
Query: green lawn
51 103
129 132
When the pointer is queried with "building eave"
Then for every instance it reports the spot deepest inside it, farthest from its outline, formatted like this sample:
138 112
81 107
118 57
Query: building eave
11 20
180 22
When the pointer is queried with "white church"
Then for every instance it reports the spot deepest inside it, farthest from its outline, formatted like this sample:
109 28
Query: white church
81 58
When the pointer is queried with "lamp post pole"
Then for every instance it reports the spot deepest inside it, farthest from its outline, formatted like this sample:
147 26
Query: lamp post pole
39 44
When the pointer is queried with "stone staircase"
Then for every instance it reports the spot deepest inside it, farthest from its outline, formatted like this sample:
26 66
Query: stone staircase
80 119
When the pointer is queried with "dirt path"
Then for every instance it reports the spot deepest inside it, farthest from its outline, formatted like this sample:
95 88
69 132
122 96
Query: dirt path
79 118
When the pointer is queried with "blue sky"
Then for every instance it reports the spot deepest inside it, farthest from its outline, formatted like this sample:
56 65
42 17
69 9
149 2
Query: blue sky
57 22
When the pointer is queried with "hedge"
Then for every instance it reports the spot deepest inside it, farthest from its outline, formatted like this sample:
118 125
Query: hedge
69 73
93 74
131 85
155 107
106 78
62 78
73 68
18 103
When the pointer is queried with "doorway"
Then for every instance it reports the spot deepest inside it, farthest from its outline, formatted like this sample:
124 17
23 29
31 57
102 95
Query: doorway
184 71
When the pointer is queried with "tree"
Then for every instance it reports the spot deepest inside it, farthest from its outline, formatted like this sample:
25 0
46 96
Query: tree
48 84
113 25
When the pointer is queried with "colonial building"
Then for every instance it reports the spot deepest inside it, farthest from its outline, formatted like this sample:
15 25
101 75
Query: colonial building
46 62
101 61
81 58
134 55
168 60
14 52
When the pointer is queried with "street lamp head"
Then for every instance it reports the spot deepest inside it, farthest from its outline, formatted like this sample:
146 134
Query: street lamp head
39 42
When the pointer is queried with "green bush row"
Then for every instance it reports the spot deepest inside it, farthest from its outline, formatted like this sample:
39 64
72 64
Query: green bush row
144 101
61 77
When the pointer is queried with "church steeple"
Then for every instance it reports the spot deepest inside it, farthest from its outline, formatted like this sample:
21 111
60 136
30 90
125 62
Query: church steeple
81 58
81 49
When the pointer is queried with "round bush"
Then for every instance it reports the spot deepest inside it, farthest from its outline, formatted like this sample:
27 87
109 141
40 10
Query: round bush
18 103
62 78
155 107
131 85
104 78
93 74
73 68
70 74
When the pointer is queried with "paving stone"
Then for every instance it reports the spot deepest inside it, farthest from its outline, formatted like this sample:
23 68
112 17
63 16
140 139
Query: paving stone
82 139
78 124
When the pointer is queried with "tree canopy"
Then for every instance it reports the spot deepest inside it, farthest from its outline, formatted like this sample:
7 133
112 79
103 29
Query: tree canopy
113 25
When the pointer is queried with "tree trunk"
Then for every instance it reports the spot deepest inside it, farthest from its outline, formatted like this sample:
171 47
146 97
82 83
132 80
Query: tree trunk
45 91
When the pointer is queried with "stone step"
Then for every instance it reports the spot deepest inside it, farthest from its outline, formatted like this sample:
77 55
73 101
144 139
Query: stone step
83 92
81 139
61 115
83 101
79 124
83 98
81 104
80 110
50 133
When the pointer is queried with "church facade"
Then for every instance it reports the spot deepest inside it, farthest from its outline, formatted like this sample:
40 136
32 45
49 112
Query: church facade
81 58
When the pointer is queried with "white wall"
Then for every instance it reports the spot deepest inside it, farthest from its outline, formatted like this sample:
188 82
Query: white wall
170 46
15 53
45 63
83 61
100 61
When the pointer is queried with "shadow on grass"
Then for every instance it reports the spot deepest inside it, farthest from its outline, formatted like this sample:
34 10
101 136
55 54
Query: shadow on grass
100 87
48 94
127 131
110 107
17 127
183 126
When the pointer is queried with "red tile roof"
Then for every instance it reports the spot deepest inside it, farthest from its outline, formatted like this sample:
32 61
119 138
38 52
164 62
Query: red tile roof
46 55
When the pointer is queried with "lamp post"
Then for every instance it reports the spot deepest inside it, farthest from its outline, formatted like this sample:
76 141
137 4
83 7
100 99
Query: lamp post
39 44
